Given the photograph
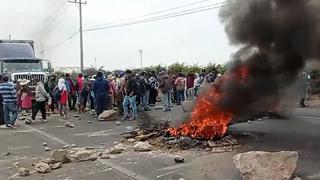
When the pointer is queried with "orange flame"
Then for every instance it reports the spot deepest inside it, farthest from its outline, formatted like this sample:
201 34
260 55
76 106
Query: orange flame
208 121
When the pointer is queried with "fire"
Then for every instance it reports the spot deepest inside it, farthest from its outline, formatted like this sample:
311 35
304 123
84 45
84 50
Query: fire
208 121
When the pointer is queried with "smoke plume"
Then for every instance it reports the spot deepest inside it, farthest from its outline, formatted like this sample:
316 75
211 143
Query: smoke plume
276 37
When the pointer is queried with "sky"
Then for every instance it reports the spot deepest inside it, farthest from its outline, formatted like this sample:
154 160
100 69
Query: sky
192 39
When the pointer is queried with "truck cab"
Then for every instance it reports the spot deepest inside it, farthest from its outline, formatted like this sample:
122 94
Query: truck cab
18 61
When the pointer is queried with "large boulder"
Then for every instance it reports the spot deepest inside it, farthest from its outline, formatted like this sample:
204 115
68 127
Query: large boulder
108 115
60 155
187 106
258 165
42 167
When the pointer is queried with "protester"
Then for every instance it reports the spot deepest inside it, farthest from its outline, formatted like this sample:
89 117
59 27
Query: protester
79 85
130 97
63 98
84 93
26 96
1 107
303 82
121 92
41 96
18 90
166 88
180 85
153 83
142 91
72 96
111 93
91 95
10 107
49 86
190 85
100 88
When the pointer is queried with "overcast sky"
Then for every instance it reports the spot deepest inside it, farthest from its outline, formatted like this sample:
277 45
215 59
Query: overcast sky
194 39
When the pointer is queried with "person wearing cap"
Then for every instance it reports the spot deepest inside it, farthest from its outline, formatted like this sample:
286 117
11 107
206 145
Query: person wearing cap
41 97
10 107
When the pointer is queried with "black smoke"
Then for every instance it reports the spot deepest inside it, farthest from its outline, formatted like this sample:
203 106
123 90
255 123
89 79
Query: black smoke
276 37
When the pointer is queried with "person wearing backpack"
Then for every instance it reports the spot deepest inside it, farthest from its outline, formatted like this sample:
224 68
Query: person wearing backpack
166 88
41 97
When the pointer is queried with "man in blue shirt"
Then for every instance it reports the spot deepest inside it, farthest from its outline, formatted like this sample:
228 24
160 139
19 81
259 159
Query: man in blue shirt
9 95
100 89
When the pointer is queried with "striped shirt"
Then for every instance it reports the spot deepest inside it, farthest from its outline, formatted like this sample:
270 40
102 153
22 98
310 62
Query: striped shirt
8 93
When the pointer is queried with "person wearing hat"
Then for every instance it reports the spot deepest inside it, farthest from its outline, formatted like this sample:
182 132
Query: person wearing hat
26 97
10 108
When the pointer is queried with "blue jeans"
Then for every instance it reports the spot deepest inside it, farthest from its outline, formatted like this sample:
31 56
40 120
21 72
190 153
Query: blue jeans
166 100
13 109
130 100
180 96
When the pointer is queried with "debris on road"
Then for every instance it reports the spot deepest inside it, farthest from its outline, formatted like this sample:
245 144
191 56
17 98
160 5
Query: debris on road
47 149
48 161
56 165
42 167
89 122
158 107
7 153
60 155
73 145
142 147
118 123
65 146
256 165
131 140
69 124
80 154
44 144
23 172
107 115
179 159
117 149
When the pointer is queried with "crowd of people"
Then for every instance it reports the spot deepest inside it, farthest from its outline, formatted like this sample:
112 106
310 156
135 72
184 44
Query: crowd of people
126 91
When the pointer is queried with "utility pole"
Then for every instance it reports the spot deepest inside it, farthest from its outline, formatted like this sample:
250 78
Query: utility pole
80 3
141 51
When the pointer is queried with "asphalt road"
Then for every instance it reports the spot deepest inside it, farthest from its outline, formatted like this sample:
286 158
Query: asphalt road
298 133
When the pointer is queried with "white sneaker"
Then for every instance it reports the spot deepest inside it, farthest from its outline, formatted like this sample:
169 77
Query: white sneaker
4 127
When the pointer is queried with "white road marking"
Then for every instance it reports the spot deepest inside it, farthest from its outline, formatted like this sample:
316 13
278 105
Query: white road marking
104 162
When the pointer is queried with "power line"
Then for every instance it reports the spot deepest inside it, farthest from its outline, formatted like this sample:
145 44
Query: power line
155 18
162 17
155 12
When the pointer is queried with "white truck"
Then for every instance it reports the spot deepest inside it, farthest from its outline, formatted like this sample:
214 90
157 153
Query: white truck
18 61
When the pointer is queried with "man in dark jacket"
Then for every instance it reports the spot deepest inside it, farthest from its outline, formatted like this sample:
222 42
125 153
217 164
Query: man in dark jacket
100 89
72 96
